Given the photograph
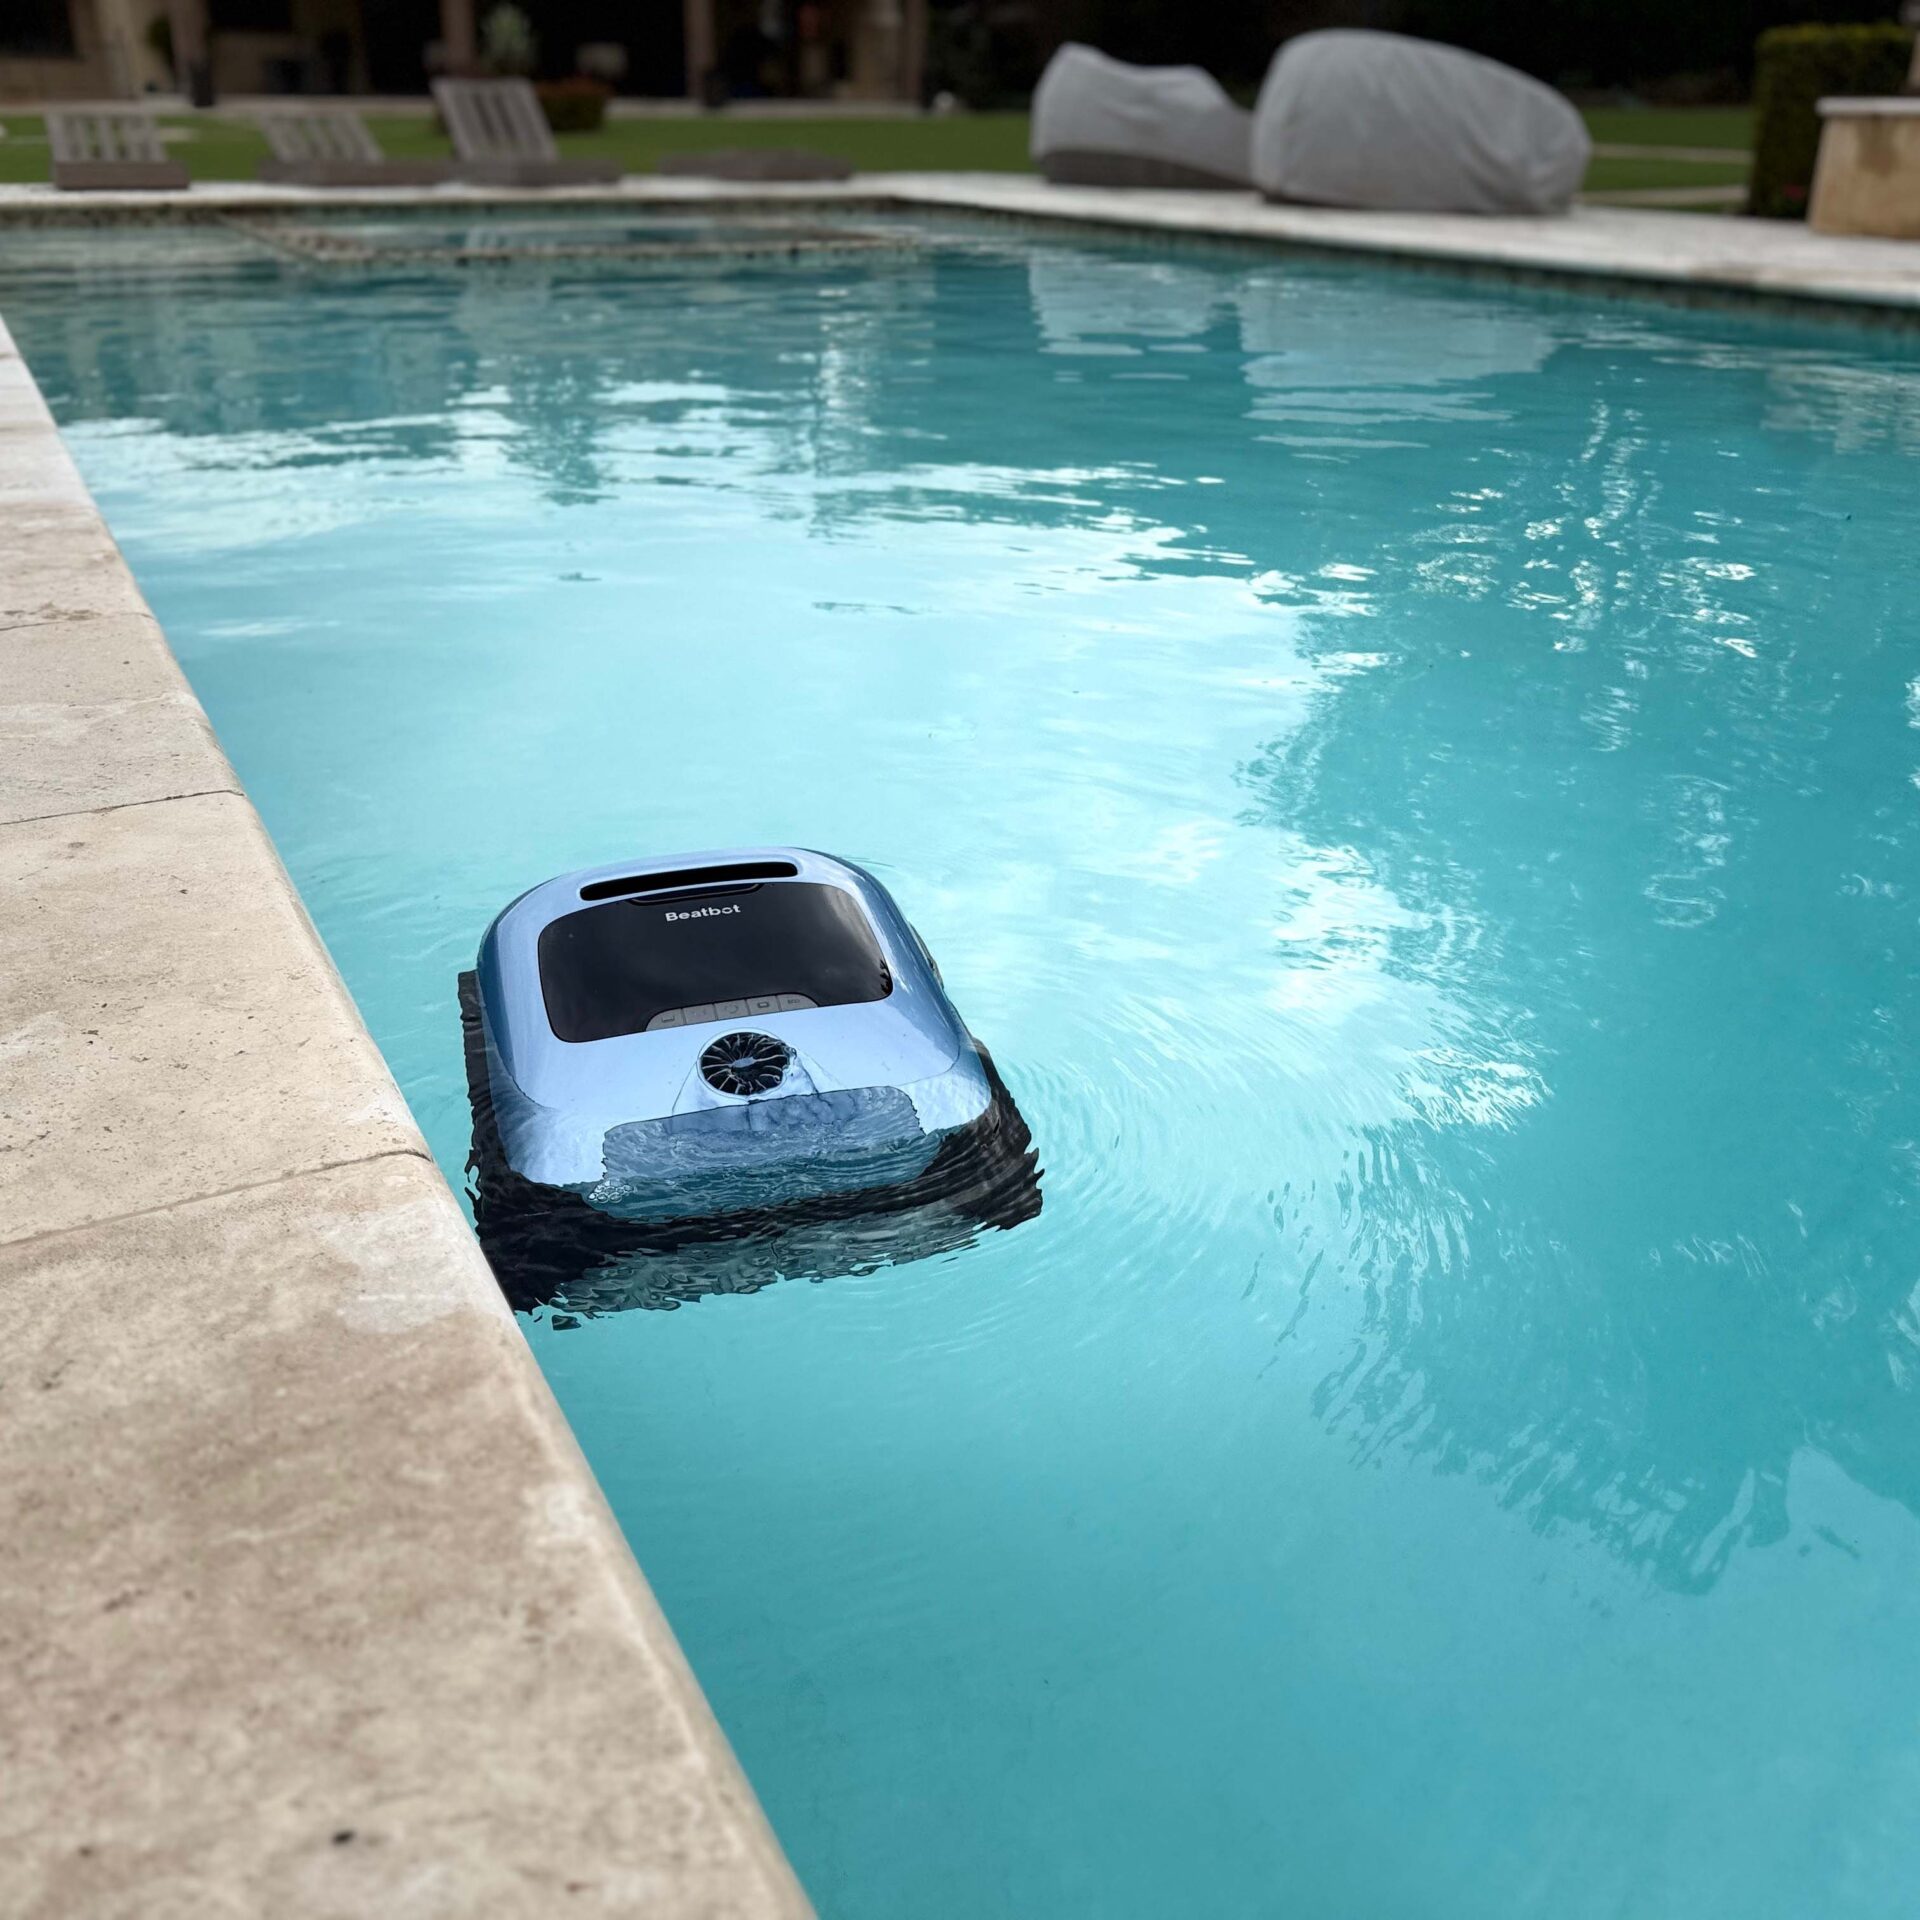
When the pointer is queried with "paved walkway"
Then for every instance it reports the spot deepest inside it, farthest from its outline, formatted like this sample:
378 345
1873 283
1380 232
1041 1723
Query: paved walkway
1706 156
1704 196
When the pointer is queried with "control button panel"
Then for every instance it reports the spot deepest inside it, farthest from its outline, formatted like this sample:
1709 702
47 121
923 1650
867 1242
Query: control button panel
699 1015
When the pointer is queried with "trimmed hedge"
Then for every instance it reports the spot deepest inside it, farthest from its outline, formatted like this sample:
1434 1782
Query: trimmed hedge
1793 68
574 106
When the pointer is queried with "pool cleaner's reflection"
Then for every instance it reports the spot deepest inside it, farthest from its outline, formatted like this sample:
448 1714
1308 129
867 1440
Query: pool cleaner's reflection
553 1249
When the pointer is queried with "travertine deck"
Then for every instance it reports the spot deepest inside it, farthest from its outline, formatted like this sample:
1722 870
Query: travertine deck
308 1603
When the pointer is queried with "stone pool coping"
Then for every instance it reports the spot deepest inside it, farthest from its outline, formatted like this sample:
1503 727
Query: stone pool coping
310 1604
1688 257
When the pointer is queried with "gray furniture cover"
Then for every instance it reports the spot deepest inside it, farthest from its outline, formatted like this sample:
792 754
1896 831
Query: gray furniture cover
1359 119
1100 122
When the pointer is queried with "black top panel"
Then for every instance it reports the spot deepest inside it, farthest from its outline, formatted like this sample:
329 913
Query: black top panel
609 970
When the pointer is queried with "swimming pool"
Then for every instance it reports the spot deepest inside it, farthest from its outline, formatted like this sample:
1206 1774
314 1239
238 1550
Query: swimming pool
1415 784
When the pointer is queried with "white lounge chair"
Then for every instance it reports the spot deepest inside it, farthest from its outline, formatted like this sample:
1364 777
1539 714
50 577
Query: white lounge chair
501 137
1101 122
1349 118
117 148
331 147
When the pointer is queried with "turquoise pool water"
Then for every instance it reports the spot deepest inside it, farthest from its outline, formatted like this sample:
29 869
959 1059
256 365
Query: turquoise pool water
1419 787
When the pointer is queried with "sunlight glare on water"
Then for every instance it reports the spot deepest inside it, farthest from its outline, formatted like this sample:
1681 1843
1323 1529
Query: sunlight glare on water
1416 785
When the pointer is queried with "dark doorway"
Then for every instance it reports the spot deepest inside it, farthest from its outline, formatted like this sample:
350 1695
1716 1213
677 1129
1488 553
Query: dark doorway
396 33
651 32
37 30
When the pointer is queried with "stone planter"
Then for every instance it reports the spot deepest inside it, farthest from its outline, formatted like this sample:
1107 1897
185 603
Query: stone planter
1867 179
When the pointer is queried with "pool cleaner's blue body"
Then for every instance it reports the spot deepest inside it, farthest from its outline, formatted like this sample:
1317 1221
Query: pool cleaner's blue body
701 1044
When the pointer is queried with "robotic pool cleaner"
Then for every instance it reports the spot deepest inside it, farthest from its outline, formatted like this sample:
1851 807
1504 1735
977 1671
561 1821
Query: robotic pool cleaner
721 1045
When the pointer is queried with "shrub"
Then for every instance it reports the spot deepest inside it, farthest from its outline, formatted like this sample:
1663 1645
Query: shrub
1793 68
507 43
989 55
574 106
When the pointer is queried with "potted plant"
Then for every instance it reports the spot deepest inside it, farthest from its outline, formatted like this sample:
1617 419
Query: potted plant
578 105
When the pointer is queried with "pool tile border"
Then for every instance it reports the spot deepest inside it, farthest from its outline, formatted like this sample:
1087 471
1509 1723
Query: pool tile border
310 1604
1596 250
1604 251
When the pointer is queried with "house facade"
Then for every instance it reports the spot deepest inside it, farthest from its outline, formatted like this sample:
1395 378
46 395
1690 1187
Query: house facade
704 49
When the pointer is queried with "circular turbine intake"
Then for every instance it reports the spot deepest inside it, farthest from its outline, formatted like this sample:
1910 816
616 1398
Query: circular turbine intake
743 1063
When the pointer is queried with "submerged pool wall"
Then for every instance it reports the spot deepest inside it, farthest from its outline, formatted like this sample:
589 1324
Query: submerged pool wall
310 1603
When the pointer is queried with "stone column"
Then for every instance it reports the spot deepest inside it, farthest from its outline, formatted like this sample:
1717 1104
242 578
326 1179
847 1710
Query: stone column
875 71
702 46
913 50
459 41
192 60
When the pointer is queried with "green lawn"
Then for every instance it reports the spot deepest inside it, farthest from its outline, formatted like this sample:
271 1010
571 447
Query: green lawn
1610 176
1672 126
214 147
218 148
995 142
